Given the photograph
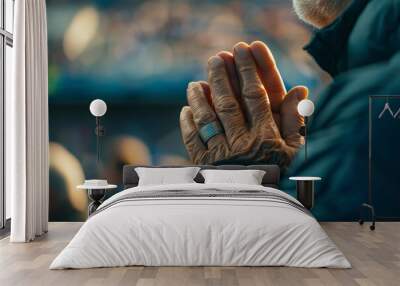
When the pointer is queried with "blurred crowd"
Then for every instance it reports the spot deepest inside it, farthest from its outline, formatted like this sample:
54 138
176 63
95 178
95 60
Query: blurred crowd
125 47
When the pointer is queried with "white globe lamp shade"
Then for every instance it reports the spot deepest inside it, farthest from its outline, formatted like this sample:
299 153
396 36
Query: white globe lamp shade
98 107
305 107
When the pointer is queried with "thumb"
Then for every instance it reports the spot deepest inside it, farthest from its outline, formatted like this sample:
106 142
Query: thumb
291 120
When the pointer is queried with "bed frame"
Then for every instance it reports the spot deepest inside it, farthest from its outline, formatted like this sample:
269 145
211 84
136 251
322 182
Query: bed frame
271 177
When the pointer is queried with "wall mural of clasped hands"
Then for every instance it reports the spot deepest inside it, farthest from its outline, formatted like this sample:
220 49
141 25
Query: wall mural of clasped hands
243 113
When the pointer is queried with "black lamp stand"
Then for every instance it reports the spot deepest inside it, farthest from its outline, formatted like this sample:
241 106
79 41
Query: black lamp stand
100 132
303 132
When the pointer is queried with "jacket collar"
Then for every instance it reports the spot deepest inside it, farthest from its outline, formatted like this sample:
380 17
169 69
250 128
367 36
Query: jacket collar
328 44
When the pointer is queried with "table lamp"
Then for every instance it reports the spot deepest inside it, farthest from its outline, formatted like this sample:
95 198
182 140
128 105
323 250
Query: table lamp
98 108
305 109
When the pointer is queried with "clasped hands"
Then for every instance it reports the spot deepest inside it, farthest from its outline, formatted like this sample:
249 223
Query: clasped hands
245 94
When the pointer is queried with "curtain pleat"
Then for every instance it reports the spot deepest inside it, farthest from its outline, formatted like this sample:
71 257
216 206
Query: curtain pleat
45 120
29 120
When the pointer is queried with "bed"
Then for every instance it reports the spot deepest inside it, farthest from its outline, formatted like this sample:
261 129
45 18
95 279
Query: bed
198 224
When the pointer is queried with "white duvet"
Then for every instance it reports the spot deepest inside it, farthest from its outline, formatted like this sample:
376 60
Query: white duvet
200 231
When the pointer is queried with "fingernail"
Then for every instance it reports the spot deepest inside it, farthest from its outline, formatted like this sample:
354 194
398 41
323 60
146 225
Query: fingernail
215 61
185 109
192 85
301 95
241 49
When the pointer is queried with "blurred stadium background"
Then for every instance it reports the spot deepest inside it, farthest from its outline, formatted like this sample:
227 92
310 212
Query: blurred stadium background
138 56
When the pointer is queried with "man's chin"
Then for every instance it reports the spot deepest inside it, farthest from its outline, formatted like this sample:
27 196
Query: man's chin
318 13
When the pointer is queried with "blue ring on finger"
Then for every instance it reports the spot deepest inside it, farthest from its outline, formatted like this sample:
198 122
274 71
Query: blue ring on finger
210 130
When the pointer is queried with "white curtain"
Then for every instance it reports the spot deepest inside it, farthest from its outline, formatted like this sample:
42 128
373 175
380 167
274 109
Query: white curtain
27 124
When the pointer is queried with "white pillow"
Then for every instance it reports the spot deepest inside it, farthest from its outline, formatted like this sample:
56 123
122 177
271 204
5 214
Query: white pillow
248 177
164 176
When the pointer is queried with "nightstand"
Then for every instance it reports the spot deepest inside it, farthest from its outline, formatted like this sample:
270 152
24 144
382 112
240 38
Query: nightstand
305 190
96 194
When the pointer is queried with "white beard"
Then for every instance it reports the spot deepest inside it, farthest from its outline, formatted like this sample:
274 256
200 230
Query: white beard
319 13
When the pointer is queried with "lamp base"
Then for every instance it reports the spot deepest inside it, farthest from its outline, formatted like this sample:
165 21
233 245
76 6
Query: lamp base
96 196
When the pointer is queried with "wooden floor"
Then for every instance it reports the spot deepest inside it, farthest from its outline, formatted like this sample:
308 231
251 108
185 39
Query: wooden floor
375 257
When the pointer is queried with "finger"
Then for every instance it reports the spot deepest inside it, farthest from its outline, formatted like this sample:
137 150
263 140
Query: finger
207 91
203 113
231 69
190 135
225 103
291 120
253 92
269 74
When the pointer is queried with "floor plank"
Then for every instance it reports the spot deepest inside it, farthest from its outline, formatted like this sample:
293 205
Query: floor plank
375 257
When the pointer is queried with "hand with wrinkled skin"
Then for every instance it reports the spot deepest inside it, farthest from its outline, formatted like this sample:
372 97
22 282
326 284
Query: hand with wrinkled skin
246 94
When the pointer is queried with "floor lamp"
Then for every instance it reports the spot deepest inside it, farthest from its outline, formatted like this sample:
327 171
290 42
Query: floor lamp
98 108
305 109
